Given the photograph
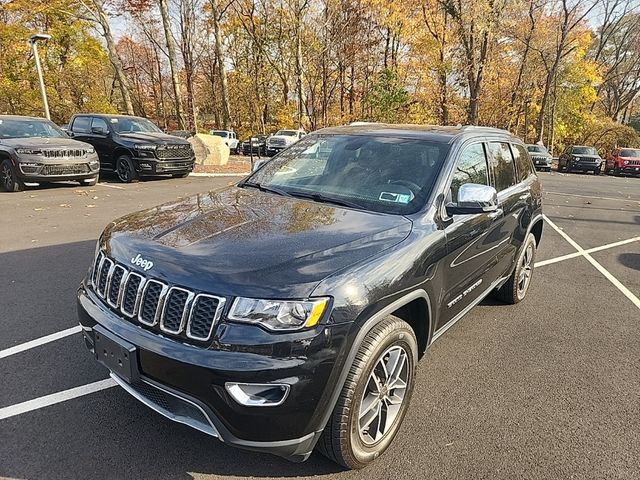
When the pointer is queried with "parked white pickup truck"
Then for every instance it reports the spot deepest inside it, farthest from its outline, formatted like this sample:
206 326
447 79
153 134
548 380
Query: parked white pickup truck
283 139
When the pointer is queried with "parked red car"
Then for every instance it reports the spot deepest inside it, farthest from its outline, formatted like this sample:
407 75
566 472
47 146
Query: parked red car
624 160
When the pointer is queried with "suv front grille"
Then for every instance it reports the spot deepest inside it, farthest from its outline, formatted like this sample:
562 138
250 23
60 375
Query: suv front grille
174 151
64 153
154 304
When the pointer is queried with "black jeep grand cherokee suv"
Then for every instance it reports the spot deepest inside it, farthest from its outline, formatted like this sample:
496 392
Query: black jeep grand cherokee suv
133 146
290 311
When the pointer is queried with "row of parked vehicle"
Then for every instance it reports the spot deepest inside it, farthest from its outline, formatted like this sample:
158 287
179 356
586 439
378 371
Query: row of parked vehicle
621 161
35 150
267 145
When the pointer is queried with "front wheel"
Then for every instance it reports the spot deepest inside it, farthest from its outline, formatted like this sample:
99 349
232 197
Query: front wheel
375 396
9 181
515 289
125 170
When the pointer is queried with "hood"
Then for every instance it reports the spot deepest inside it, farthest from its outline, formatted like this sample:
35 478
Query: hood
43 142
153 137
245 242
286 138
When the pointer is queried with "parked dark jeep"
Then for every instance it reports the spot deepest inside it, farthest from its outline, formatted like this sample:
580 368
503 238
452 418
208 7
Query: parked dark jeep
289 311
133 146
578 157
35 150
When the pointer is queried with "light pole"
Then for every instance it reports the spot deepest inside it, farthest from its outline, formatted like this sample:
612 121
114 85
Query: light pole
33 39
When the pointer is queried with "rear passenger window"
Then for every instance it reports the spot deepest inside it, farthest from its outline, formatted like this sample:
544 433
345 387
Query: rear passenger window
81 125
100 123
504 171
523 162
471 168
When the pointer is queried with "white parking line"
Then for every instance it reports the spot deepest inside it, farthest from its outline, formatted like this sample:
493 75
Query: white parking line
47 400
592 197
39 341
110 186
542 263
626 292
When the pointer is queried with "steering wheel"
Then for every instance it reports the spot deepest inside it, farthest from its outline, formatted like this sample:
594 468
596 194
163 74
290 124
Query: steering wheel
414 187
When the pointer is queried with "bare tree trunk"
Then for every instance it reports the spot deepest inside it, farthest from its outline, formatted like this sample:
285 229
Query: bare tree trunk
114 58
224 89
173 62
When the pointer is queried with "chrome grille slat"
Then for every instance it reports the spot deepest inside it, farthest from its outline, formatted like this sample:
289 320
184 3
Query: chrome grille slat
118 276
105 273
132 288
167 309
204 315
151 302
175 310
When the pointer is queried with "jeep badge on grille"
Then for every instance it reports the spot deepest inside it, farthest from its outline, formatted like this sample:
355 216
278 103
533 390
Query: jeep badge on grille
146 265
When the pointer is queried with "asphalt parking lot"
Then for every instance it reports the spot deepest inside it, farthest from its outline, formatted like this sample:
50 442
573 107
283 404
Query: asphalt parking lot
549 388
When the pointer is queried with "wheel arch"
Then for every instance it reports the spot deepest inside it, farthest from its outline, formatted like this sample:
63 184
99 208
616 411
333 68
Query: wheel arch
405 305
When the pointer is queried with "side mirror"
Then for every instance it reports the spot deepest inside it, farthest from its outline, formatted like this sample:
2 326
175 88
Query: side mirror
474 198
98 131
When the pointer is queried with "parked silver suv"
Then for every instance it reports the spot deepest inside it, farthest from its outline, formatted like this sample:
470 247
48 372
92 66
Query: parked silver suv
35 150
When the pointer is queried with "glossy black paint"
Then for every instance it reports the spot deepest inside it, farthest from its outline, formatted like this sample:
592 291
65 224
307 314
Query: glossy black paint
245 242
111 145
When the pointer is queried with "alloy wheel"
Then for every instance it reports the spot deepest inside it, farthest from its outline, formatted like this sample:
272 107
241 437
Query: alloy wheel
124 172
7 177
384 395
526 271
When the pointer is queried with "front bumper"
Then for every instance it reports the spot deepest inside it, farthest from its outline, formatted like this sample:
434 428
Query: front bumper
154 166
630 169
542 162
584 166
35 169
310 362
271 151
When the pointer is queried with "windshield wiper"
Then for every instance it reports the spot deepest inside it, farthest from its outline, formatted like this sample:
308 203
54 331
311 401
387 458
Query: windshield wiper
264 188
324 199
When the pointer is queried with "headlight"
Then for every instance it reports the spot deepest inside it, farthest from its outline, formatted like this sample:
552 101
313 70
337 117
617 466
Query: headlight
626 162
279 314
145 146
28 151
91 150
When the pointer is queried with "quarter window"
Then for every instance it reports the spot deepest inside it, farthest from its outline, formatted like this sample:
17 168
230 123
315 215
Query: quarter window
504 171
471 168
523 162
81 125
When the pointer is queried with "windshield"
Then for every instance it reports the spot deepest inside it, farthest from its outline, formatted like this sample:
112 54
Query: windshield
287 133
218 133
384 174
584 150
536 149
630 152
28 128
133 125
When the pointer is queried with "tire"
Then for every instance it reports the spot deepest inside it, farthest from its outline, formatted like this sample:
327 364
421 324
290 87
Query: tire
181 175
616 171
89 182
9 181
515 289
342 440
125 170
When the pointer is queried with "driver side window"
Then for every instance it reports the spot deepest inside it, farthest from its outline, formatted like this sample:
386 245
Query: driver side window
471 168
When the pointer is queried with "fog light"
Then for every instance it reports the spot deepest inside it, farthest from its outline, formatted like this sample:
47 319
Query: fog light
258 394
145 166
